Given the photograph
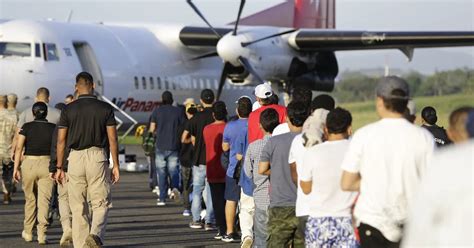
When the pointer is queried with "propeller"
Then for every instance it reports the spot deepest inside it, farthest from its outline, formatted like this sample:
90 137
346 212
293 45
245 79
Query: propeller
244 62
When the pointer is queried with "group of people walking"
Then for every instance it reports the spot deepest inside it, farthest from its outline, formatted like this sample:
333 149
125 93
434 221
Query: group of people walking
297 176
68 147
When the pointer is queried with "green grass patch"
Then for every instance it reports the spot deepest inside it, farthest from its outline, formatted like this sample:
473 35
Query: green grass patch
364 113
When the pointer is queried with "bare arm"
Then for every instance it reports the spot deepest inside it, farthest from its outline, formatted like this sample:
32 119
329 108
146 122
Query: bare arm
226 147
152 127
264 168
186 138
306 186
350 181
112 136
294 173
193 140
61 147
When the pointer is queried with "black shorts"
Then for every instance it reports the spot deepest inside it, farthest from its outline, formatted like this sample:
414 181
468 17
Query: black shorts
232 189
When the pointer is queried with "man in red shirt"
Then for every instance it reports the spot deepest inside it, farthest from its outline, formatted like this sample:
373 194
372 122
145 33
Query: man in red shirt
263 92
213 136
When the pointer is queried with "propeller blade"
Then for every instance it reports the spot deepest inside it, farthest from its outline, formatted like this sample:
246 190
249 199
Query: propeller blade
242 4
206 55
246 64
244 44
227 66
202 17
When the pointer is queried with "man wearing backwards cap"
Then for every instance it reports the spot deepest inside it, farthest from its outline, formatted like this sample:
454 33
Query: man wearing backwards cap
263 92
385 163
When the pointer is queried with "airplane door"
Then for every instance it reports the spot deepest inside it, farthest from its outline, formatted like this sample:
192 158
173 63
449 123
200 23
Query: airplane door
88 61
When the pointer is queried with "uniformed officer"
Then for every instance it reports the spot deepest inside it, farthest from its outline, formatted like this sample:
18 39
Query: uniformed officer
35 138
8 121
90 128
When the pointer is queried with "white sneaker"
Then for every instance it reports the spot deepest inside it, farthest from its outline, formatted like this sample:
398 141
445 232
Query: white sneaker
156 190
160 203
26 236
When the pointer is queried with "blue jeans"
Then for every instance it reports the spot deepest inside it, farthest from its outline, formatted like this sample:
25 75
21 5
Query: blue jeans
167 165
199 185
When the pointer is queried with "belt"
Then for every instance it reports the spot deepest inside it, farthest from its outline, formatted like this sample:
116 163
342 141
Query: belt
94 148
37 157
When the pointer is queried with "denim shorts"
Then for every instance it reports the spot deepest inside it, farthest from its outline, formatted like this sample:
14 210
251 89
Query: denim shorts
232 189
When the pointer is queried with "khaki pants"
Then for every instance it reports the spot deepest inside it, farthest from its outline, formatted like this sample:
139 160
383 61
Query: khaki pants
38 188
64 209
89 177
247 210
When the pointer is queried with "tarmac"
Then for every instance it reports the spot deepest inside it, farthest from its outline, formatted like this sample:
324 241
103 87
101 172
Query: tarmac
134 221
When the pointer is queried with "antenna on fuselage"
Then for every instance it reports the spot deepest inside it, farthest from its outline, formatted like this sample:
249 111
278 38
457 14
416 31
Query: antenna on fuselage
69 16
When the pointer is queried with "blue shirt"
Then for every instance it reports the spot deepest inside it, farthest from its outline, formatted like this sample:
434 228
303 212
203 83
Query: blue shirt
245 182
233 132
167 118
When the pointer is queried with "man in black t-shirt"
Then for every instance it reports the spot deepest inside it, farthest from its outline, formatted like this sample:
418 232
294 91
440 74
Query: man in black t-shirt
429 119
89 126
195 129
186 158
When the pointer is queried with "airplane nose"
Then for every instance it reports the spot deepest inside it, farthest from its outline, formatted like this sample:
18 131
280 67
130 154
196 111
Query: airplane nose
230 48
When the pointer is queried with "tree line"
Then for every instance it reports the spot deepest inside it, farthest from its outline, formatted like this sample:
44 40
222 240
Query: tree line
357 86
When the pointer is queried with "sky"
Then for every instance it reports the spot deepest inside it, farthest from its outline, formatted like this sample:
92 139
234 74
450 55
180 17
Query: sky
417 15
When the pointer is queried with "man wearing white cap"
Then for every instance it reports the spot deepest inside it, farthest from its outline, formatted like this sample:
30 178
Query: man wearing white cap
263 93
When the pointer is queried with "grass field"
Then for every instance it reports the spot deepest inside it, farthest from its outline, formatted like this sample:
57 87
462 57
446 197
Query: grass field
364 112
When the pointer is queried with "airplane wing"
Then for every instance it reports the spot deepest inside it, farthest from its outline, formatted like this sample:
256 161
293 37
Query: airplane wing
335 40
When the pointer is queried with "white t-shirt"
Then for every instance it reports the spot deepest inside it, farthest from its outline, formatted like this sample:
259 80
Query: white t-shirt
296 155
442 213
322 166
391 156
281 129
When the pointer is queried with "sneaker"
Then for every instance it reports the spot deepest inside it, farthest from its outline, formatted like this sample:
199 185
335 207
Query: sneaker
210 227
175 194
156 190
27 236
66 239
230 238
93 241
187 212
218 236
42 240
195 225
246 242
160 203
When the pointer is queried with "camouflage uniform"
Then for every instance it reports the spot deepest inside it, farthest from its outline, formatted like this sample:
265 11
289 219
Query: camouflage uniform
8 122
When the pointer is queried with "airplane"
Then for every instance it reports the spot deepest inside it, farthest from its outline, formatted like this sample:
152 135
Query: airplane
291 44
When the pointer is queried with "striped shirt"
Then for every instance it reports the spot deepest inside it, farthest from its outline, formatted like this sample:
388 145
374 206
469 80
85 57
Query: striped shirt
261 183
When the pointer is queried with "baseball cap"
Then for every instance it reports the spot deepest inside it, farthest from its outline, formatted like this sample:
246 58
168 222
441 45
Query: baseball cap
207 95
263 91
189 106
40 110
387 85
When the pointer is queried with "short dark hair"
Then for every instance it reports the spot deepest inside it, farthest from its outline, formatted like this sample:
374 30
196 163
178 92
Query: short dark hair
244 107
86 76
219 110
269 119
338 121
397 105
303 95
323 101
207 96
42 91
297 113
167 98
273 99
429 115
40 110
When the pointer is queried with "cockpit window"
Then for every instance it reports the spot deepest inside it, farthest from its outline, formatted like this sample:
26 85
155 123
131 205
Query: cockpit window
15 49
50 51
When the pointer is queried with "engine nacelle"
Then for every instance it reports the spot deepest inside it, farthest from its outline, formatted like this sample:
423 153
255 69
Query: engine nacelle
319 75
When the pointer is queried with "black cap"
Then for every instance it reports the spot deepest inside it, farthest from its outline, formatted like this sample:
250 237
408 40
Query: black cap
207 96
40 110
387 85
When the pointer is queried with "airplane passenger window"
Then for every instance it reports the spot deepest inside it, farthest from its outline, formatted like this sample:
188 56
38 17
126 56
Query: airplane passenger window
15 49
152 83
37 50
173 85
136 83
158 81
144 83
166 84
50 51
